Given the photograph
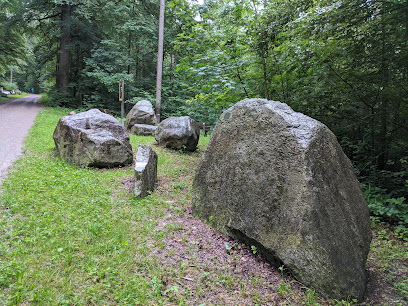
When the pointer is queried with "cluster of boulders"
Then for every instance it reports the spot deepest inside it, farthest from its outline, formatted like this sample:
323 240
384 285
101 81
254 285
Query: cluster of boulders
174 132
96 139
141 119
271 177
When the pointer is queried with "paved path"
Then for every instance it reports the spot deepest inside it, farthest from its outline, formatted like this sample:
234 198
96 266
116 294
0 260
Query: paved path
16 118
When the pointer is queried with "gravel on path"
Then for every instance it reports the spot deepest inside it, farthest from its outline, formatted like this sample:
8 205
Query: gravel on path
16 118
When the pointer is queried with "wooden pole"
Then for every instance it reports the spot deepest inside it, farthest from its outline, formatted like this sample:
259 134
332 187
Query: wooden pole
121 99
160 61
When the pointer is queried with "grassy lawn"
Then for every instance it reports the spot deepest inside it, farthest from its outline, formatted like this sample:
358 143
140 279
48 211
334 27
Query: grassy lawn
77 236
24 94
4 100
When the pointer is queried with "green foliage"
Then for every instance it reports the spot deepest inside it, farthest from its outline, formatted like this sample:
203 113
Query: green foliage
384 208
108 41
390 255
45 99
343 63
215 56
12 46
63 99
284 287
8 86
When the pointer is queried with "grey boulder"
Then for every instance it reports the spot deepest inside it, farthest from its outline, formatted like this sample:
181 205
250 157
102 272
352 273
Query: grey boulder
178 133
143 129
279 180
141 113
93 138
145 171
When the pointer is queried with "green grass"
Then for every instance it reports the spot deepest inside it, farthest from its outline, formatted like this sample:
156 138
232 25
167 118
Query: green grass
24 94
77 236
4 100
64 240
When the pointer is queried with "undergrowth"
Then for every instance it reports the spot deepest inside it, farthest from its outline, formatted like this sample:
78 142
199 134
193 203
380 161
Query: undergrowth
384 208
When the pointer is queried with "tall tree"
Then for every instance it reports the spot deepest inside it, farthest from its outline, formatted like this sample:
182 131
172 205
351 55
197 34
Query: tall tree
12 46
64 62
160 60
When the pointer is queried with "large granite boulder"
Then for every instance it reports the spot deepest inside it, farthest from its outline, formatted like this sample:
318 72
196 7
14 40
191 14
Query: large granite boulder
279 180
178 133
93 139
141 113
145 171
143 129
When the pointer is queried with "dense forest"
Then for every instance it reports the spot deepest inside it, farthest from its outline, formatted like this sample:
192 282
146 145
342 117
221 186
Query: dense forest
342 62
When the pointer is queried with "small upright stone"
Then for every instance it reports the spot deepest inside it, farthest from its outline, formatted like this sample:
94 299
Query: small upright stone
145 171
178 133
141 113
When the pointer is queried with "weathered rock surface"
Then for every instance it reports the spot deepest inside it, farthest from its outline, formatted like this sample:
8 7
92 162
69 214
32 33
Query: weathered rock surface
279 180
145 171
93 139
143 129
141 113
178 133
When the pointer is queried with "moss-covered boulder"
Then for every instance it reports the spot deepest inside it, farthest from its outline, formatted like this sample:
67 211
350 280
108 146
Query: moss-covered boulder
279 180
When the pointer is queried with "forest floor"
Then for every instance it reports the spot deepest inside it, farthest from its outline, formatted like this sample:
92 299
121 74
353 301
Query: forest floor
71 235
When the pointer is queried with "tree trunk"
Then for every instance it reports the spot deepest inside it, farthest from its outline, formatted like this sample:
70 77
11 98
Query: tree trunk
64 56
265 76
383 140
160 61
172 70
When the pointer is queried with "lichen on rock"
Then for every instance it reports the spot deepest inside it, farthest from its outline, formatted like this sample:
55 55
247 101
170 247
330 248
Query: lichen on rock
280 179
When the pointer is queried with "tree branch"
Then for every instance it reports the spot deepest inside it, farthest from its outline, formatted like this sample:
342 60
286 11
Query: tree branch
49 17
349 85
240 79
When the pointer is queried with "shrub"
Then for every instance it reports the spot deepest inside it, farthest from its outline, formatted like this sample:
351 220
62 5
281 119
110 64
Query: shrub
45 99
385 208
8 86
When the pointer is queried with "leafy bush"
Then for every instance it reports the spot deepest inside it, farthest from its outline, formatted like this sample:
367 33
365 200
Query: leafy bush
45 99
63 99
8 86
385 208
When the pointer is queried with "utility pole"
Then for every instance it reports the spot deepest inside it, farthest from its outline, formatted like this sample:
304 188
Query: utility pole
160 61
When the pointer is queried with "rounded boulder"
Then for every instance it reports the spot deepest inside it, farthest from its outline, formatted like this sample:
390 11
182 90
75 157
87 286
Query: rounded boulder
94 139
